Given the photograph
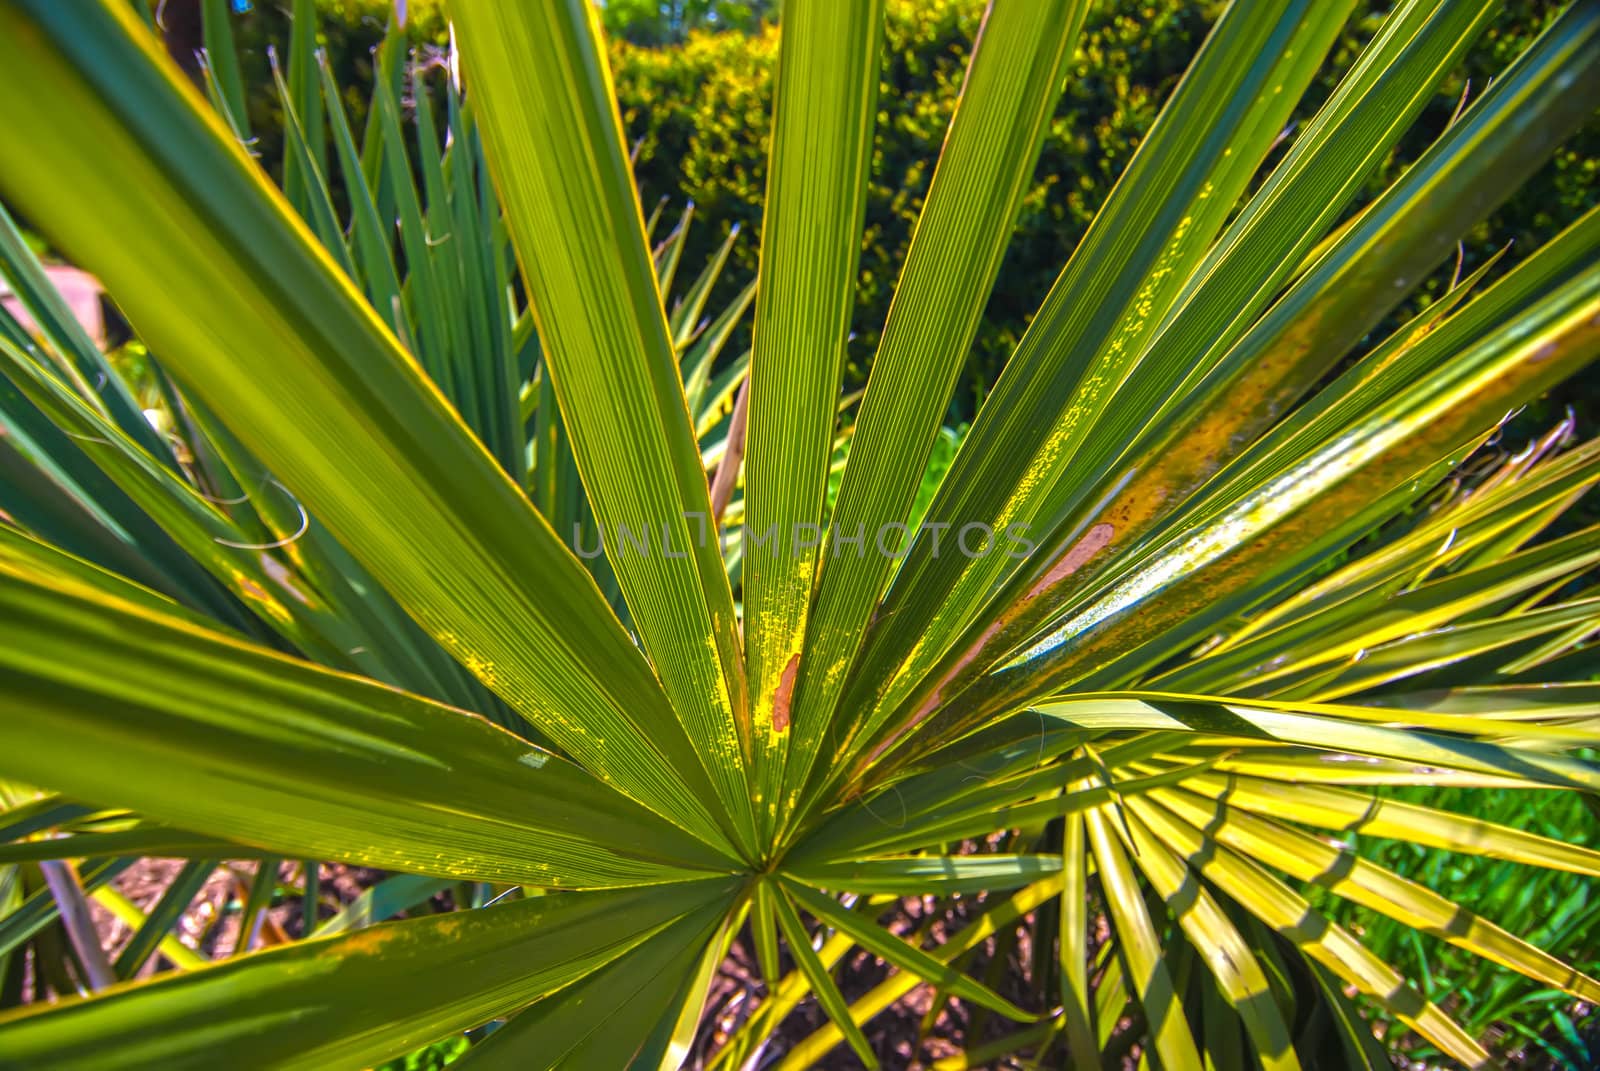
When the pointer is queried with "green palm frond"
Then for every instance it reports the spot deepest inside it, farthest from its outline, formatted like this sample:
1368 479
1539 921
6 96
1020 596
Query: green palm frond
461 527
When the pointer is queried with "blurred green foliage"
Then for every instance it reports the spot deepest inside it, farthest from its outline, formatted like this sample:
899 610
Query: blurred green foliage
669 22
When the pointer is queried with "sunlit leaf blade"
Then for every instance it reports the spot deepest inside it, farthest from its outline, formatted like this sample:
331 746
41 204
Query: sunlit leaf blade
32 289
1293 764
431 344
555 147
1349 812
895 821
685 320
383 901
39 909
1307 858
152 932
315 385
1218 942
1296 511
669 1045
304 97
40 504
1280 908
315 202
1077 1005
295 758
703 355
906 956
1282 722
128 913
1345 602
669 254
1490 520
485 268
937 830
367 233
805 1055
1178 416
985 1055
822 983
790 989
1401 364
1266 364
389 646
50 560
142 840
196 525
1552 700
51 486
928 874
1140 946
1196 160
45 813
354 1000
1012 83
816 192
613 1008
222 63
764 933
1495 645
1371 623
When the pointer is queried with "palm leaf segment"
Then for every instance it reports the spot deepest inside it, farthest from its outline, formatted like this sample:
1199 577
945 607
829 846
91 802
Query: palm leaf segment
257 631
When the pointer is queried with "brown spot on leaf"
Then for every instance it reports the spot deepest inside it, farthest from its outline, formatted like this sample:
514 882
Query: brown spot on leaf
1078 555
784 695
252 589
368 942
